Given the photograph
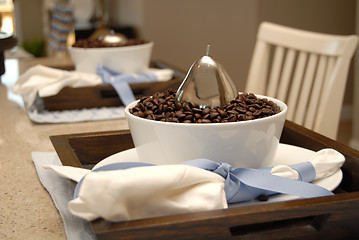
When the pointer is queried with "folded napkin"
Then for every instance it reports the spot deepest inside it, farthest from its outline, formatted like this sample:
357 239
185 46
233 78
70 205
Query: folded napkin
143 192
47 81
133 190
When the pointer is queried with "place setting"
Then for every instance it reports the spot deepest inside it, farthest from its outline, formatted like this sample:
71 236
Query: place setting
110 72
201 149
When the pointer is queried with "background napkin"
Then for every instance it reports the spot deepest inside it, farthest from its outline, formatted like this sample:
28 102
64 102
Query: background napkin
47 81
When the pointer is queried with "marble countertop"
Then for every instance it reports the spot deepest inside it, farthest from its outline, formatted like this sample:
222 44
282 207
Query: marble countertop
26 209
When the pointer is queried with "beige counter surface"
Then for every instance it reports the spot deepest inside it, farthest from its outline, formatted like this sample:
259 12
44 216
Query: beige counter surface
26 209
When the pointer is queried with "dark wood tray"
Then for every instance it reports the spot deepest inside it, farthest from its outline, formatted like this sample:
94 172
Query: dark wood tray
102 95
333 217
105 95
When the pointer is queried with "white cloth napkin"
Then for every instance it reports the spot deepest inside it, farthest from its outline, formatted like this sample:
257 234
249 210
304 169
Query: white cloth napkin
144 192
150 191
325 162
47 81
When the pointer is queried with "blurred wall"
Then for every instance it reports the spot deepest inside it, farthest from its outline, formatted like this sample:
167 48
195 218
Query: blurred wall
28 20
182 29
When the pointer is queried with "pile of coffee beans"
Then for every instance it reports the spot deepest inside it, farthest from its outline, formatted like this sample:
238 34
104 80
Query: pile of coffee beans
162 106
89 43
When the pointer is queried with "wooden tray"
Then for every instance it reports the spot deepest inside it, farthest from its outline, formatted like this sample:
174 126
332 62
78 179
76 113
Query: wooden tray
333 217
105 95
102 96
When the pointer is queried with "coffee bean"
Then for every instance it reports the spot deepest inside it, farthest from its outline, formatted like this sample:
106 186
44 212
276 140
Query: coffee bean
196 110
206 111
241 117
198 116
252 109
206 121
148 112
232 112
241 109
178 105
165 107
96 43
188 117
263 198
162 106
257 113
222 113
214 115
141 114
206 116
187 107
180 116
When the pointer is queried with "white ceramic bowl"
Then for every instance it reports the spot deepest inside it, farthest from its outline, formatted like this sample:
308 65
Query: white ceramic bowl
250 144
127 59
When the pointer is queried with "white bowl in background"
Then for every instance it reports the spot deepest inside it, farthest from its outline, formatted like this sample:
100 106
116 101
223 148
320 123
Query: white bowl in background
250 144
126 59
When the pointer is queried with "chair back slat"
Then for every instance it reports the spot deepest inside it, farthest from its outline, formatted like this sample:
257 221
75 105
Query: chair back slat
286 75
332 98
316 92
330 68
260 68
296 84
305 90
322 103
275 71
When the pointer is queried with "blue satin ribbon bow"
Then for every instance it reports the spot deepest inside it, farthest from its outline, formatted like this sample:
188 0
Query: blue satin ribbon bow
120 82
245 184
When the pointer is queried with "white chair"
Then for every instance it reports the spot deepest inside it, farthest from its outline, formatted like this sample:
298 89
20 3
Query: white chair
306 70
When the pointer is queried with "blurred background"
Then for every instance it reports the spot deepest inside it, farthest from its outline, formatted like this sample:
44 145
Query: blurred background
181 30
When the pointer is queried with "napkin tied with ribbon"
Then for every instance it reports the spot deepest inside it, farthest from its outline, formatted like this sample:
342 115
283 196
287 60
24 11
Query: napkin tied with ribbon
149 191
127 191
46 81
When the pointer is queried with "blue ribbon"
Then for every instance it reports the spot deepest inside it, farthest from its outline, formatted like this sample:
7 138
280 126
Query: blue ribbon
245 184
120 82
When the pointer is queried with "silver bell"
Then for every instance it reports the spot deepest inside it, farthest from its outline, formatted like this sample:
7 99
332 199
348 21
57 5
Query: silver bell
207 84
